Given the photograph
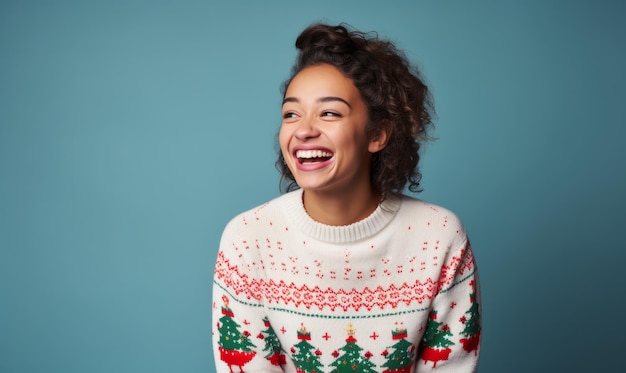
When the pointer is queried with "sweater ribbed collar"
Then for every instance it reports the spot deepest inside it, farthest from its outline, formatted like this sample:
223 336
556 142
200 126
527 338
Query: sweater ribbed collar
362 229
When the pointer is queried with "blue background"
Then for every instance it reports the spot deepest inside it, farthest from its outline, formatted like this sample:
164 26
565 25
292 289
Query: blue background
132 131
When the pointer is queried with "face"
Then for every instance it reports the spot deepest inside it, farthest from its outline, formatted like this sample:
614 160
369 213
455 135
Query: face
323 135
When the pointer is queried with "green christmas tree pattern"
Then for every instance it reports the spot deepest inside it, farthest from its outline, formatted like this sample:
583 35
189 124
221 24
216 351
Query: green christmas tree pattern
303 356
472 324
235 347
401 359
273 348
435 342
352 360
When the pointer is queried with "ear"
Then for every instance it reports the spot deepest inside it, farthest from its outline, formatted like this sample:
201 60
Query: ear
380 137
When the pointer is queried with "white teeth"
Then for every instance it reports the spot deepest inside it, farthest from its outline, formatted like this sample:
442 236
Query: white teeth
312 154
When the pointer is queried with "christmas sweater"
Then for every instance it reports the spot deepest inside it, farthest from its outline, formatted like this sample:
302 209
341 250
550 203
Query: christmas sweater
395 292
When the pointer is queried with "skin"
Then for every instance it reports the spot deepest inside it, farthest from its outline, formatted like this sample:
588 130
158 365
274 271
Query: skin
323 112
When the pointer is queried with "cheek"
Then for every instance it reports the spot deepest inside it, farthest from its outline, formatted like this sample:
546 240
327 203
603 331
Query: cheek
355 141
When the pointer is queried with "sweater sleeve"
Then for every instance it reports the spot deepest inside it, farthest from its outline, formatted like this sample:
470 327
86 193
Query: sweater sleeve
451 338
242 336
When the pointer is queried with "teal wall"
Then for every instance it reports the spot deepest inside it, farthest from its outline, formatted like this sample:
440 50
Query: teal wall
132 131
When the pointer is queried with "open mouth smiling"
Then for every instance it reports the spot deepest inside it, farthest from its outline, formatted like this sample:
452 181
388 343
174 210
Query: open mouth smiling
312 156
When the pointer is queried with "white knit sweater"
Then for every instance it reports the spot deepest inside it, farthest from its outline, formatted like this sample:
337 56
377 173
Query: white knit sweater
395 292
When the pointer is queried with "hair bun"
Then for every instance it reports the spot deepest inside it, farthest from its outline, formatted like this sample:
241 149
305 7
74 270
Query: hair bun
333 39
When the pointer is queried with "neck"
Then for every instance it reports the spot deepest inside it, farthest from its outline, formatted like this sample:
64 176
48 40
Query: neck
341 208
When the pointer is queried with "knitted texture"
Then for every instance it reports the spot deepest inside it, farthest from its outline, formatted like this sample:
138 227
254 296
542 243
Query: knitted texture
395 292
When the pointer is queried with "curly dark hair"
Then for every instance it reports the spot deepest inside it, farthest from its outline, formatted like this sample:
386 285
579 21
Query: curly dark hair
395 94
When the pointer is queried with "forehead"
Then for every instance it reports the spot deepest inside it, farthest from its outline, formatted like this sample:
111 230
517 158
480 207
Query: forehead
322 80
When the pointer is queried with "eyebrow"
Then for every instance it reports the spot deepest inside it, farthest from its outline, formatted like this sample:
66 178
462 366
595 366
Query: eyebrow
321 99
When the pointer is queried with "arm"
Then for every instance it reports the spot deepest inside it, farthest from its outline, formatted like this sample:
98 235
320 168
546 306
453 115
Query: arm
451 341
238 327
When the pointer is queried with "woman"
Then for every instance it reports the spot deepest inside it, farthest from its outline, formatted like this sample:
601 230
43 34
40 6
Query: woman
344 272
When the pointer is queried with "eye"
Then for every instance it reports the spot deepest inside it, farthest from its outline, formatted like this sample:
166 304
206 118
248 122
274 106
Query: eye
289 114
328 113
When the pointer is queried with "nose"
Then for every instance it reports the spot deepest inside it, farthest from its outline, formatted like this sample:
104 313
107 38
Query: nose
307 129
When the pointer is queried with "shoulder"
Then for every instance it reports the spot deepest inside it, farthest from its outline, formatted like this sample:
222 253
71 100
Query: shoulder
430 216
418 206
269 213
